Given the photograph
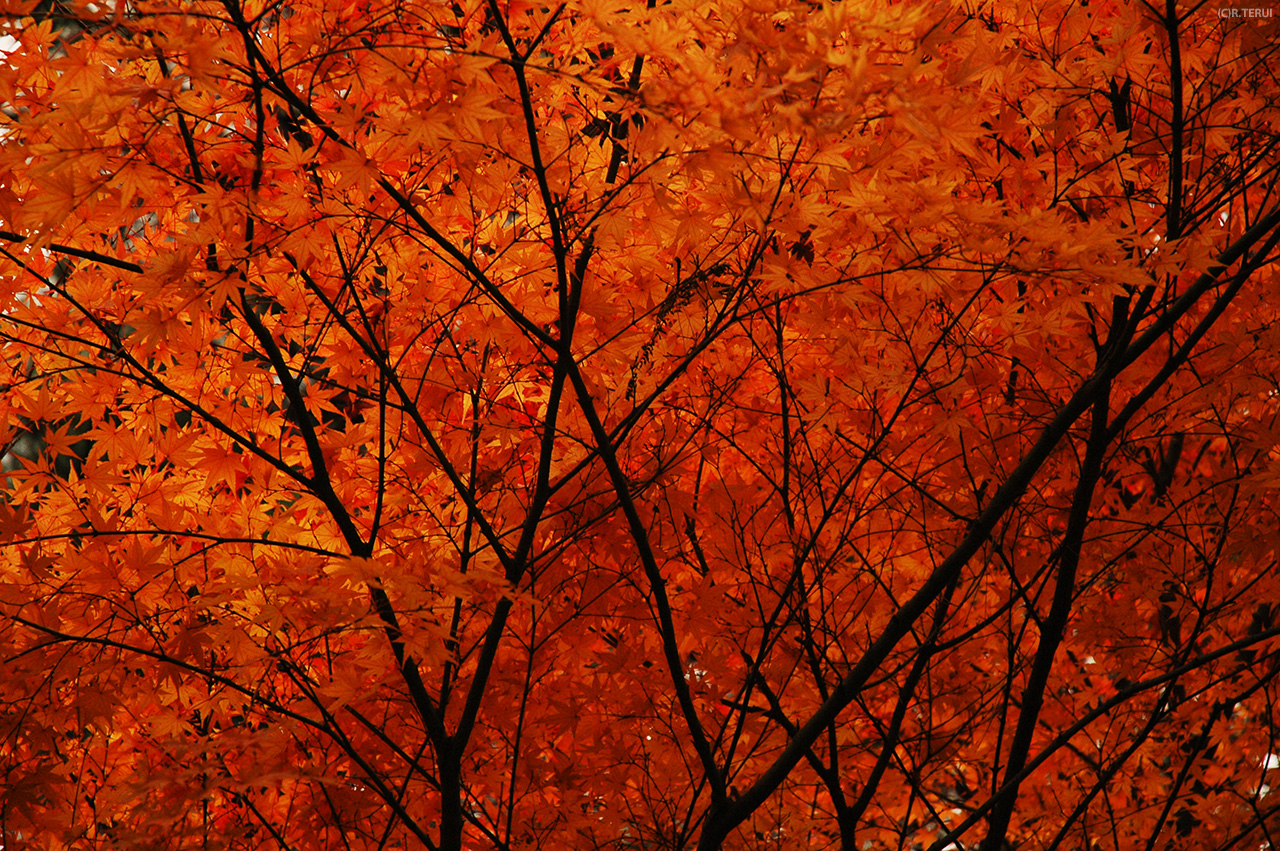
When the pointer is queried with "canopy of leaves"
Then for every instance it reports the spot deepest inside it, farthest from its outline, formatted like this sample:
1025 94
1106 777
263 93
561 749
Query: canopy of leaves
726 424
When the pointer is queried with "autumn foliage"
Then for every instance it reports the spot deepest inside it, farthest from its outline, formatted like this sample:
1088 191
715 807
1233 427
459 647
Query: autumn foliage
744 424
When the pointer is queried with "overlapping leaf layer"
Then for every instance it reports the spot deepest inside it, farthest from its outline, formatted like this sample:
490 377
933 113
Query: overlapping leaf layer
744 423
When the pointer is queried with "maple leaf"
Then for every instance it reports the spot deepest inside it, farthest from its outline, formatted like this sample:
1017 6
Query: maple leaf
698 426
